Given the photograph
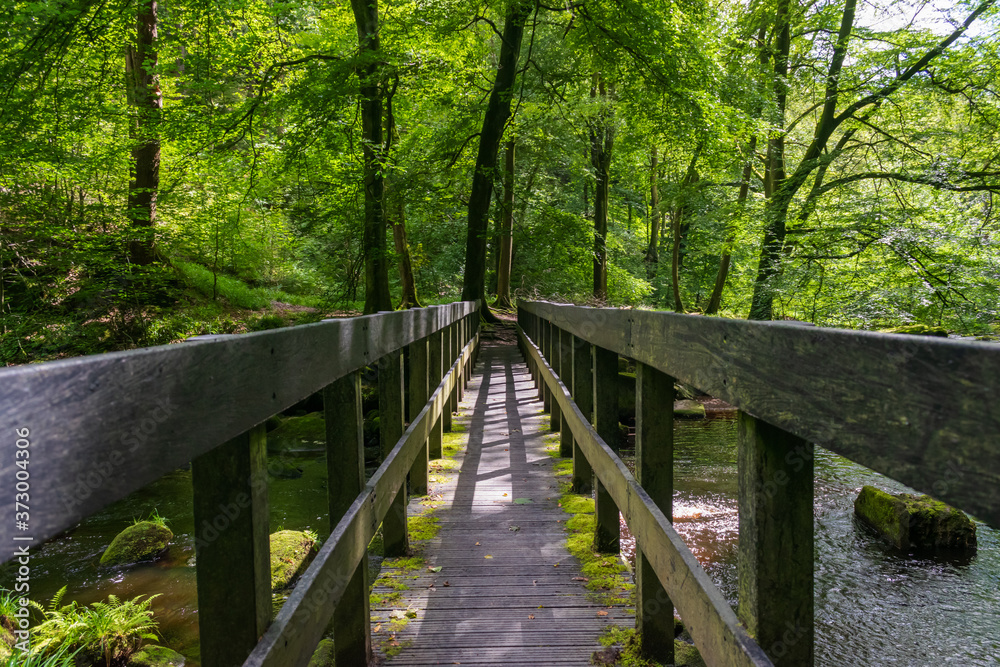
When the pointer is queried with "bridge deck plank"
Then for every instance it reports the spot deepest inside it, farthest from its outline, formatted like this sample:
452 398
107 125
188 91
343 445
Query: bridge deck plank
513 594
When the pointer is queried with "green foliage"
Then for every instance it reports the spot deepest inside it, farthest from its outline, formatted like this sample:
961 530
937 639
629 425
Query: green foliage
110 631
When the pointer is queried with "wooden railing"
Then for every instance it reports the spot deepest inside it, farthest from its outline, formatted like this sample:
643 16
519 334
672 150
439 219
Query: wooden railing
97 428
920 410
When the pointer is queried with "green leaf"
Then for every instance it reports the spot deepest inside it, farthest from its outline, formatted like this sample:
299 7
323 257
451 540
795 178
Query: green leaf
523 501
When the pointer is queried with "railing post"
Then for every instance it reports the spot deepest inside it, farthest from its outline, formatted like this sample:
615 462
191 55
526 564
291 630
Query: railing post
345 469
607 531
555 411
566 374
775 563
583 395
654 465
460 371
232 543
435 360
543 347
418 390
390 411
447 361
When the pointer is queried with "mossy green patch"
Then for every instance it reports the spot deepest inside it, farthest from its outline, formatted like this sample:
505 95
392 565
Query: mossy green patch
422 527
295 432
563 467
323 656
291 553
156 656
606 575
143 540
630 643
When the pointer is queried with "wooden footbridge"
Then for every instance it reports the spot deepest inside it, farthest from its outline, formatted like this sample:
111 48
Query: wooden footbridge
95 429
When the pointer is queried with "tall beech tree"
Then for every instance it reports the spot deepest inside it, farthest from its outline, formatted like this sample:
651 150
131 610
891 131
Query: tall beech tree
369 69
820 154
601 130
484 175
146 100
506 230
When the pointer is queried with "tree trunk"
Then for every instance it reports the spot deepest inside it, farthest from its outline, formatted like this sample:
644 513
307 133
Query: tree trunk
143 92
724 261
377 296
679 228
652 251
602 141
506 232
497 114
398 216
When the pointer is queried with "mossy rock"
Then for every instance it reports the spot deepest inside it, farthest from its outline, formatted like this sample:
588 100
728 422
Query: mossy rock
298 433
914 522
323 656
689 409
141 541
291 553
918 330
156 656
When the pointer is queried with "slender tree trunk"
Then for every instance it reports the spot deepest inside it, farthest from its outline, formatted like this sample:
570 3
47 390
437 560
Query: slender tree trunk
377 296
506 232
497 114
143 91
724 261
652 250
397 214
679 228
602 141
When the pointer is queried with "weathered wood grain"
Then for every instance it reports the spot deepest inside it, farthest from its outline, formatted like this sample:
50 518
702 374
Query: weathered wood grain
106 425
921 410
707 616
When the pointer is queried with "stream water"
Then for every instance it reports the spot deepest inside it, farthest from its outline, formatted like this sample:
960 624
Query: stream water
873 606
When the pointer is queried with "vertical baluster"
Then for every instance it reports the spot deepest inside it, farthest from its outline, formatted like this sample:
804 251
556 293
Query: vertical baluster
775 563
654 464
233 547
448 359
435 360
390 410
543 347
418 391
566 374
345 469
460 371
583 394
553 356
607 530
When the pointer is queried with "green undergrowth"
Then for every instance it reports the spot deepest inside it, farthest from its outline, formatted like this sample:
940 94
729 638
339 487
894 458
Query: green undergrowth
629 643
607 576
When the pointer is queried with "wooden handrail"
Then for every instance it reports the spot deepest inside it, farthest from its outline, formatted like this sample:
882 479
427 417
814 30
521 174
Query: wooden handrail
106 425
915 408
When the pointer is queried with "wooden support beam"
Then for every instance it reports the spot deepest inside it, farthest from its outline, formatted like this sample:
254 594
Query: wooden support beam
552 356
566 375
583 394
458 330
654 466
607 531
345 469
447 360
232 543
390 409
775 563
418 359
435 360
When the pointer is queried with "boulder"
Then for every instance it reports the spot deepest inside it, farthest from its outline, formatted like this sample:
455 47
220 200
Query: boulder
291 553
915 522
306 432
156 656
143 540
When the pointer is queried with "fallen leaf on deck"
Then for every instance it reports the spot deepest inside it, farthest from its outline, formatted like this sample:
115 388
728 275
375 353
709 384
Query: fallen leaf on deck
505 495
580 579
446 584
534 582
377 628
531 616
487 556
435 569
477 544
397 614
412 613
602 613
555 564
